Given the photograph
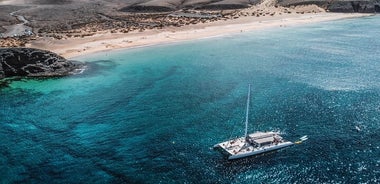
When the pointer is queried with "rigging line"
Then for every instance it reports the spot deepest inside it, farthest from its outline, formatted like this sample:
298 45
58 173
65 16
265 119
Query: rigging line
233 130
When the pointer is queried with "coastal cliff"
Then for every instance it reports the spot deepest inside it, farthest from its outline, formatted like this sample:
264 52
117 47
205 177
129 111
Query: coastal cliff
33 63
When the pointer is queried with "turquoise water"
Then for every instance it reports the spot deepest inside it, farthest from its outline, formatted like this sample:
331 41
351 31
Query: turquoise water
151 115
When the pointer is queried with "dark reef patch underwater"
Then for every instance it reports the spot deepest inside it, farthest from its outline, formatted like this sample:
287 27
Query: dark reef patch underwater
151 115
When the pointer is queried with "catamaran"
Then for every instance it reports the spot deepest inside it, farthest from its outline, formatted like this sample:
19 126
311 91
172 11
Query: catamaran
252 144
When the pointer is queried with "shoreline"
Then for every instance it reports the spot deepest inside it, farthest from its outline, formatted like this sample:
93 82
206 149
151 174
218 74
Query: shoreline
100 42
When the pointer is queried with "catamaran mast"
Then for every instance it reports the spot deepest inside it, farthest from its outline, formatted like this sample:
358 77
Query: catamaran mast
246 116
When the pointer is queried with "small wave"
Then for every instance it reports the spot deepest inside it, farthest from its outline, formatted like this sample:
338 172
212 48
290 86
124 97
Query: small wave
79 70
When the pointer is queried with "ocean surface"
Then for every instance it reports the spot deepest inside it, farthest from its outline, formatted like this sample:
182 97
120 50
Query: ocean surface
152 115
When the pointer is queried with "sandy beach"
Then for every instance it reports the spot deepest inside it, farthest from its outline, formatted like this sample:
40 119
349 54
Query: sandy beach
73 47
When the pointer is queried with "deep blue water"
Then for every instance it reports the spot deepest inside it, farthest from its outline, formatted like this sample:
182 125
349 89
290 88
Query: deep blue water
151 115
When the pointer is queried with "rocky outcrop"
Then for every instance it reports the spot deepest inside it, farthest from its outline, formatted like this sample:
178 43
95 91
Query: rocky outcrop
353 6
345 6
33 63
2 74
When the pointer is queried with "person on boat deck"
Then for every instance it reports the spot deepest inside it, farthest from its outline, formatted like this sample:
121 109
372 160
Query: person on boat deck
275 140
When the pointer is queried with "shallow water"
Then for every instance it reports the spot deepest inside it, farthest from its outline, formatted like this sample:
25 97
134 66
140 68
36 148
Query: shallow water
151 115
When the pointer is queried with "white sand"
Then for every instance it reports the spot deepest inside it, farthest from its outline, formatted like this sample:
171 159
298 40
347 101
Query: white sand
73 47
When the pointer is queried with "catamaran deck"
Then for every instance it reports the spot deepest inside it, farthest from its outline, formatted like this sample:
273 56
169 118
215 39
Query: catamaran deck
259 142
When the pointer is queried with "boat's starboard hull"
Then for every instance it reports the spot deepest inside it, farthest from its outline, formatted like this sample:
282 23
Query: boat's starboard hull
261 151
256 143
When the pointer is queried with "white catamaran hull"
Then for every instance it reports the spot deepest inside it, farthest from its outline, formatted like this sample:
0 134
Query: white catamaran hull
260 151
261 142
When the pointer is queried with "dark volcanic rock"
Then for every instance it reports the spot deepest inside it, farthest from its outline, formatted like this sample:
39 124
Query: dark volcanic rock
153 6
353 6
345 6
224 6
33 63
54 2
144 9
377 7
